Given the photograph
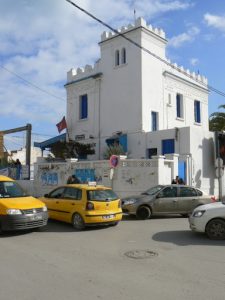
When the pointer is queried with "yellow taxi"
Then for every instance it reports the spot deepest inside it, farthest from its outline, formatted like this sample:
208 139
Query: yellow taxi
17 210
84 205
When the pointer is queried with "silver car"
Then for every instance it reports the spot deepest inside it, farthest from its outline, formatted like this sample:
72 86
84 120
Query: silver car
165 199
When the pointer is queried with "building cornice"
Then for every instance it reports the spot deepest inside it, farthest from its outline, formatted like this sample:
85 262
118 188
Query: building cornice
186 81
133 29
93 76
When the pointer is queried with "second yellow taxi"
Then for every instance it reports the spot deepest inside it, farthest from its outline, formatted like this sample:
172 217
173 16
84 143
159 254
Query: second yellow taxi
84 205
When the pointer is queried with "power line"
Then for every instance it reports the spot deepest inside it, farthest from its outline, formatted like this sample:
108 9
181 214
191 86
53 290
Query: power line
147 50
31 84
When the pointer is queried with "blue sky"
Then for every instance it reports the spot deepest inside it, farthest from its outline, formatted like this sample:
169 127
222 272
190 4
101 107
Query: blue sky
42 40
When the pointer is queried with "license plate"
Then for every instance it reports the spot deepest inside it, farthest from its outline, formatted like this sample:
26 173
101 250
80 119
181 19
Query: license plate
36 218
108 217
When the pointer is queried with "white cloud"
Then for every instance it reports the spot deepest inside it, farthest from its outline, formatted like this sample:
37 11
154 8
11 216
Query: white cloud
41 40
186 37
194 61
215 21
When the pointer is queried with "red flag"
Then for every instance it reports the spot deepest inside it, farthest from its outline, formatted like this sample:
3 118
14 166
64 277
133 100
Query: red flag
61 125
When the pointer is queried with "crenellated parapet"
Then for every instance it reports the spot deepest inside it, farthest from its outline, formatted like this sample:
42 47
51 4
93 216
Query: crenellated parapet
140 22
79 73
187 72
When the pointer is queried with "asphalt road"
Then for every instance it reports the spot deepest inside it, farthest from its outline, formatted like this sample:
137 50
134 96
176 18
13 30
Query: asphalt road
154 259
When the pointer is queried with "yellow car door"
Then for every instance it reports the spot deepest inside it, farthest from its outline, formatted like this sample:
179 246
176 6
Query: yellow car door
52 201
69 203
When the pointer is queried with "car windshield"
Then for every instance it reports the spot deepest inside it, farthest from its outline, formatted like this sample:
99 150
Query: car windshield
153 190
101 195
10 189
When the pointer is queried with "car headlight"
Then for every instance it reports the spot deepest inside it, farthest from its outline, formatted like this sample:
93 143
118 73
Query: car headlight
129 201
198 213
44 208
13 211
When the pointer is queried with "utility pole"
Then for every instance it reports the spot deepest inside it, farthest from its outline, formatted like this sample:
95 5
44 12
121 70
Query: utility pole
26 128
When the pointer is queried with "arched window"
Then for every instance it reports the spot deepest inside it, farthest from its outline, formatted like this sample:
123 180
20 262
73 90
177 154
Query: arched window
124 56
117 58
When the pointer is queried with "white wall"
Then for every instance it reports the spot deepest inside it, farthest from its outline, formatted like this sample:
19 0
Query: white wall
131 176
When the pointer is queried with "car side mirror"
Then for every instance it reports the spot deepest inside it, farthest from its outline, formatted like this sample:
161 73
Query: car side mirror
46 195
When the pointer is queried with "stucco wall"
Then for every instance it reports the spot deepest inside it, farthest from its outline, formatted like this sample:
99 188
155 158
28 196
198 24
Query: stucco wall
129 177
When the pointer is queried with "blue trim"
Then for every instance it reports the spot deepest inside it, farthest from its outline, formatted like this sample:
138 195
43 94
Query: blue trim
49 142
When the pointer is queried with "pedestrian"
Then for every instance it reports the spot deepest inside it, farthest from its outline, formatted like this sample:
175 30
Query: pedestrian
73 179
18 166
176 180
180 181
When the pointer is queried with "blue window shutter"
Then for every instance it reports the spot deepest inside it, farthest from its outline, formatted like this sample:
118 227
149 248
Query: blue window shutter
168 146
197 111
123 142
84 107
154 121
178 106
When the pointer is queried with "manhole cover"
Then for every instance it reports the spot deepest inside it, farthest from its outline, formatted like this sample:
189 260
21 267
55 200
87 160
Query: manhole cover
140 254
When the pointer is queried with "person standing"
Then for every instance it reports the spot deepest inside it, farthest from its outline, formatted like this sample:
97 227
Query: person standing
73 179
176 180
18 166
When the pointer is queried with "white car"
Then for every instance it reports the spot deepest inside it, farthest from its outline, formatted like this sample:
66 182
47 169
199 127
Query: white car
209 218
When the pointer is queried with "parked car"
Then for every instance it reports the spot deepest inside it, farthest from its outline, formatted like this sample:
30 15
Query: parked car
209 218
17 210
165 199
84 205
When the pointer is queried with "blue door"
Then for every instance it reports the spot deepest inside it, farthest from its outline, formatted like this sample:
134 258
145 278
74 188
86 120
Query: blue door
182 170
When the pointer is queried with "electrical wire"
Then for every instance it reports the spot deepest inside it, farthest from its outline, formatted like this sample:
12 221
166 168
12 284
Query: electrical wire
211 88
32 84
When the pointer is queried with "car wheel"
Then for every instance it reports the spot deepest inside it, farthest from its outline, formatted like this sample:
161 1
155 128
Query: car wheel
185 215
78 222
114 223
215 229
143 213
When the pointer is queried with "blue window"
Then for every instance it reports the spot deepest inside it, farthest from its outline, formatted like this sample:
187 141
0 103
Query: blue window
83 106
179 100
197 111
168 146
154 116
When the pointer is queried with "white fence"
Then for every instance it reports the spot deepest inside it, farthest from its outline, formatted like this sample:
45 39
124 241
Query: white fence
131 176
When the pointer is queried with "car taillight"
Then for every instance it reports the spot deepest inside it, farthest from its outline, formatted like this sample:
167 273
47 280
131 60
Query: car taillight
119 204
90 206
213 199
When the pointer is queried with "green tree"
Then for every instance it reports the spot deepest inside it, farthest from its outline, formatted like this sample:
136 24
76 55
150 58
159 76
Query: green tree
217 120
72 149
113 150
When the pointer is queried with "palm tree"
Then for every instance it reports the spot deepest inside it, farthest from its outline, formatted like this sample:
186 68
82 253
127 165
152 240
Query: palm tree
217 120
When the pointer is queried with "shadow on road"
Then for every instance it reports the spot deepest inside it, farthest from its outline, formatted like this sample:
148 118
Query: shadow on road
53 226
133 217
185 237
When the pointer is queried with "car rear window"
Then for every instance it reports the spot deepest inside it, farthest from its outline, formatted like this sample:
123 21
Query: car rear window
187 192
101 195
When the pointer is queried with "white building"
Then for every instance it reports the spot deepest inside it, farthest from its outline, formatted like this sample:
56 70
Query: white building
145 103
